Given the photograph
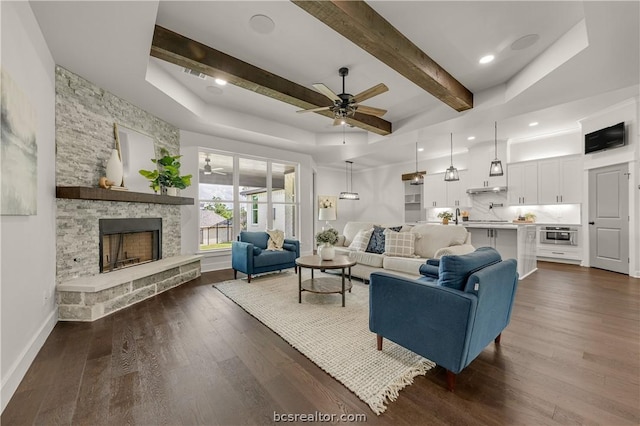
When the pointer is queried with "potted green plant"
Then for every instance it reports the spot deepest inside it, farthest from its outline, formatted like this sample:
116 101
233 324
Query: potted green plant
446 217
167 175
326 239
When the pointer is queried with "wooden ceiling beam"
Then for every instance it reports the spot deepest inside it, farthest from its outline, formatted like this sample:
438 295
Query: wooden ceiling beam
361 24
180 50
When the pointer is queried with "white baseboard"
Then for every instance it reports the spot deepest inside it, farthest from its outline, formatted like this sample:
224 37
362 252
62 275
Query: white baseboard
212 264
19 368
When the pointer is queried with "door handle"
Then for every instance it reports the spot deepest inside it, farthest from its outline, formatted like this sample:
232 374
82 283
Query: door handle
592 223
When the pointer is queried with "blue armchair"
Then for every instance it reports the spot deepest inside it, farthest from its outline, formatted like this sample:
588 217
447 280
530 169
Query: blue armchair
450 315
250 255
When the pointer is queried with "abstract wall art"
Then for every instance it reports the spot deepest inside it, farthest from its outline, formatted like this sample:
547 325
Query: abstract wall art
19 151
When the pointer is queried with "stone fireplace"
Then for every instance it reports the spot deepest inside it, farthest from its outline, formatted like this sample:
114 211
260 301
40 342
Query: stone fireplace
85 117
129 242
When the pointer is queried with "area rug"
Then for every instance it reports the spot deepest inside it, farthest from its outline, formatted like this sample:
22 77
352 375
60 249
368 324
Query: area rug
336 339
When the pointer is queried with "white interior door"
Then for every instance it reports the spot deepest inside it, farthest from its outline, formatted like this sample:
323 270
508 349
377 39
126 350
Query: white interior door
609 218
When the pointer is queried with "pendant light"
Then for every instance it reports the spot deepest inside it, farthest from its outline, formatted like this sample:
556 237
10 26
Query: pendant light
418 178
496 165
348 194
451 175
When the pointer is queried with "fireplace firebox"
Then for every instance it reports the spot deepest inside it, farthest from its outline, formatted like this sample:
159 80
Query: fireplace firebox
129 242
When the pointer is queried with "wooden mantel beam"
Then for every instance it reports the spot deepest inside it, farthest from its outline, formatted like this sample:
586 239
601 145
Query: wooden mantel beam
177 49
361 24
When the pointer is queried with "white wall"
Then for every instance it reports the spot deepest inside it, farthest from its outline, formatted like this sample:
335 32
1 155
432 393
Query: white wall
547 146
628 112
28 254
190 142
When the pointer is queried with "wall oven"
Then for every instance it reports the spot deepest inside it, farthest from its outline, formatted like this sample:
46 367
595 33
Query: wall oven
559 235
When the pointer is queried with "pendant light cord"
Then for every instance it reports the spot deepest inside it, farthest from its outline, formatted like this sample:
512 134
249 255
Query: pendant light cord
451 149
496 139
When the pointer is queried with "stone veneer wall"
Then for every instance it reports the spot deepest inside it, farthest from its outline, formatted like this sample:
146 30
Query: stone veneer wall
85 115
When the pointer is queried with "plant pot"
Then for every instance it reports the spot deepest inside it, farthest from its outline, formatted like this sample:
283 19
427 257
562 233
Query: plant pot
172 191
327 252
445 221
465 218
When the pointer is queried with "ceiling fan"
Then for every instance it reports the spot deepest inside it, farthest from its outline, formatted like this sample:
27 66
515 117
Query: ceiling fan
208 170
345 104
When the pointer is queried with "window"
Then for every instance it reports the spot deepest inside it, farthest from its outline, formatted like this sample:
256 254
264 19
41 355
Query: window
254 210
259 193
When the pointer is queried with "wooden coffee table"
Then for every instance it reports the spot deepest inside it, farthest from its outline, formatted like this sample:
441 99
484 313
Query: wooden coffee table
324 285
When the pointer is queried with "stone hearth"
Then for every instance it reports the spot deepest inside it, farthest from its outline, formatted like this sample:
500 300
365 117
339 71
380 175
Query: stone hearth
90 298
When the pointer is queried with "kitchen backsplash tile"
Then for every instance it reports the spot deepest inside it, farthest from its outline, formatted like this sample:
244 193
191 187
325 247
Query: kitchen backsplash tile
481 210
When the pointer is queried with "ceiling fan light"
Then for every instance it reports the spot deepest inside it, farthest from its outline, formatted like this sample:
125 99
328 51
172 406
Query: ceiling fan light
496 168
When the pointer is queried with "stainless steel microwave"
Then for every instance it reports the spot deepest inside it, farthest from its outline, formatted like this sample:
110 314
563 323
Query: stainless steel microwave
559 235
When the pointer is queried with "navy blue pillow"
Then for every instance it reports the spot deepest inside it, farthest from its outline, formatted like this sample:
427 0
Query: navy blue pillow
289 246
455 270
429 270
376 243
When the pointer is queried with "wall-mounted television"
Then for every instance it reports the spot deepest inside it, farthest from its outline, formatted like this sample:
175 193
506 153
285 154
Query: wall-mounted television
607 138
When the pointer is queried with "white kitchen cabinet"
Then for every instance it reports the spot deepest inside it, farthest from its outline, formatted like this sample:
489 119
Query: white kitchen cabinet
512 242
505 241
435 191
560 180
523 183
481 157
457 191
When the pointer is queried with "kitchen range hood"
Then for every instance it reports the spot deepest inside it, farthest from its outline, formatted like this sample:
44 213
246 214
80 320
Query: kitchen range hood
486 189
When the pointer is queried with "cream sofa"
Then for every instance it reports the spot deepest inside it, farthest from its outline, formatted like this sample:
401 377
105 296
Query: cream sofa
432 241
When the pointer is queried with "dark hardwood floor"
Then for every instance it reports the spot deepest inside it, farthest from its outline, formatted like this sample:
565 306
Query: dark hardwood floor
571 355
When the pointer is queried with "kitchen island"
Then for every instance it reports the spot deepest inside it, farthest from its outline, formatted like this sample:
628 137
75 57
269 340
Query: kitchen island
512 241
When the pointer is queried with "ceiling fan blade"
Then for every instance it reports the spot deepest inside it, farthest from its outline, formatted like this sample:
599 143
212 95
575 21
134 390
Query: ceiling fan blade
371 92
219 173
378 112
315 109
326 91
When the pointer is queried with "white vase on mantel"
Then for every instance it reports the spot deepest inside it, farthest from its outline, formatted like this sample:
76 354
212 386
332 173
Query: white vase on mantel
172 191
114 168
327 252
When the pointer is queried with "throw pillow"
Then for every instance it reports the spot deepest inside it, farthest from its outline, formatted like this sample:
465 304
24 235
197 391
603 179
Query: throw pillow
401 244
361 240
376 243
256 251
454 271
276 239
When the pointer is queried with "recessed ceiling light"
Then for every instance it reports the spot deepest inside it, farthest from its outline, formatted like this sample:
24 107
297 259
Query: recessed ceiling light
534 123
262 24
524 42
420 149
486 59
220 81
214 89
470 138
